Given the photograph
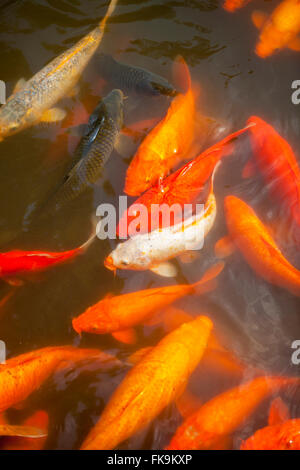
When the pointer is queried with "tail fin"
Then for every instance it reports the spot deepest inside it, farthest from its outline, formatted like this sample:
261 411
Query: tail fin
208 280
181 75
111 7
91 238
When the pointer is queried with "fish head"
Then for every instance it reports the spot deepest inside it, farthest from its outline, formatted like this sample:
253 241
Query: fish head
114 103
157 86
128 255
13 118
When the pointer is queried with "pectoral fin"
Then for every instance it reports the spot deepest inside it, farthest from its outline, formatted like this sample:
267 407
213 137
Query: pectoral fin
189 257
21 431
19 85
165 269
259 18
294 44
125 336
53 115
224 247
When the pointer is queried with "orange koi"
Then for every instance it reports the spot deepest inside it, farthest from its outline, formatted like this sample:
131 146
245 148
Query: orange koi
223 414
122 312
18 263
167 144
151 385
39 420
252 238
22 375
233 5
274 157
284 436
181 187
279 30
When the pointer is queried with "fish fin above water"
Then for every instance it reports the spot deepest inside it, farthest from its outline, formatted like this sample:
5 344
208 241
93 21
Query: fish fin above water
21 431
259 18
294 45
224 247
188 403
278 412
19 85
165 269
125 336
249 169
181 74
53 115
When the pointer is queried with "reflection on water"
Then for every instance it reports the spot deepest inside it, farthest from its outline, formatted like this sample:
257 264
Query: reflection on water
257 321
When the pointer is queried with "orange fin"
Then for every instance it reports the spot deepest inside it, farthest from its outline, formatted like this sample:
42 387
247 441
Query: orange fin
278 412
125 336
259 18
174 317
208 281
137 356
224 247
53 115
188 403
181 75
249 169
21 431
294 45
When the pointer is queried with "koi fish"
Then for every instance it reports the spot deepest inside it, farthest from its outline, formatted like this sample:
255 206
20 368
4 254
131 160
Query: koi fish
274 157
252 238
223 414
39 422
122 312
153 250
285 436
233 5
17 263
167 143
279 30
181 187
33 101
93 150
133 79
22 375
151 385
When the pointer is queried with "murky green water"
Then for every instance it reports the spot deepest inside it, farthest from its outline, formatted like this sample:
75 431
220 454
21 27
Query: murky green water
257 321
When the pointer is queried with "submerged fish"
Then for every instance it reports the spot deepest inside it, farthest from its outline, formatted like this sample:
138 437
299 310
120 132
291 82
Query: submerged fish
181 187
150 250
257 246
33 101
284 436
274 157
93 150
158 379
16 263
130 78
233 5
22 375
167 143
119 313
39 420
279 30
223 414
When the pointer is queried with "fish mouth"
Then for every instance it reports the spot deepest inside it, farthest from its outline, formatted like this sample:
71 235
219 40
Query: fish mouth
109 264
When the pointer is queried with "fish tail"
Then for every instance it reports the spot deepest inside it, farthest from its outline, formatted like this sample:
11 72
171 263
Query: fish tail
92 237
207 282
181 75
111 7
